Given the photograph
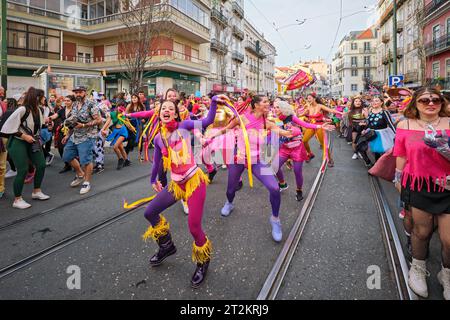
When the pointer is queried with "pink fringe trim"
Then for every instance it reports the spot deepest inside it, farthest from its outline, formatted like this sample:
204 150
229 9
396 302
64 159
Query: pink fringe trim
420 181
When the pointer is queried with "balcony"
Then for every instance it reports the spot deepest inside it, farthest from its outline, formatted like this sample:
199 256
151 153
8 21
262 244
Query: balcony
367 78
219 17
434 7
385 38
438 45
169 59
219 47
237 56
107 26
400 26
443 83
238 33
340 66
237 8
250 46
253 69
412 77
387 58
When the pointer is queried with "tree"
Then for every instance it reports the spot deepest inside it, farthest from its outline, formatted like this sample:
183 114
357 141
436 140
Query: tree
148 26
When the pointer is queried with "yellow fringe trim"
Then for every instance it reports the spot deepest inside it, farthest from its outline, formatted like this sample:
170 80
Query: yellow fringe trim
158 231
138 203
193 183
202 254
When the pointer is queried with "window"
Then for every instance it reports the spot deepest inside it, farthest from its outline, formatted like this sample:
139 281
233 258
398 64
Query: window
354 46
366 46
436 69
354 61
436 32
367 73
447 68
367 60
354 72
354 87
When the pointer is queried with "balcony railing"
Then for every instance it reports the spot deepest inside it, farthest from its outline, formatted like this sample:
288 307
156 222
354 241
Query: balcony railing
219 46
252 47
438 45
167 7
367 50
433 7
367 78
238 32
168 53
385 38
253 69
238 9
219 17
236 55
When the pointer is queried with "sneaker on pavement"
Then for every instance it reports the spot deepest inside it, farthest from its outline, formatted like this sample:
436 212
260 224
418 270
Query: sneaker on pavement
49 159
299 195
355 156
76 181
10 174
283 186
227 209
418 278
65 169
211 175
224 167
444 279
39 196
127 163
185 207
277 234
120 164
21 204
85 188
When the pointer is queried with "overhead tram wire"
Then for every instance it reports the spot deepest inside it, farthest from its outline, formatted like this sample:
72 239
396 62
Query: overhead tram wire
337 31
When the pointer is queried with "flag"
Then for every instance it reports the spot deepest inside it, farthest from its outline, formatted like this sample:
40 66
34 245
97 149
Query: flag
298 80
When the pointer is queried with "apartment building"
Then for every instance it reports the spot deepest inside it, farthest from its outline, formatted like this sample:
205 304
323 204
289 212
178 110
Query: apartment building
227 55
436 34
320 70
410 55
259 66
354 65
56 45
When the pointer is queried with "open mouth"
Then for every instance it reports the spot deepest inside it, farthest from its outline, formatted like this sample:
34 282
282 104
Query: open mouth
166 117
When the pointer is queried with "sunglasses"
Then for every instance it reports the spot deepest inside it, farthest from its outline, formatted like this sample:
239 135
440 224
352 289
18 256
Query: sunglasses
426 101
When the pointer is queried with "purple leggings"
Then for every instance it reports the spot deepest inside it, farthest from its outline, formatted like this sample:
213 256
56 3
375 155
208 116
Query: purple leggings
268 180
298 170
196 202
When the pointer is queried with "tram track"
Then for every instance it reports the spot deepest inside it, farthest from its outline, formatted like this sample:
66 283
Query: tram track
393 245
18 222
277 275
33 258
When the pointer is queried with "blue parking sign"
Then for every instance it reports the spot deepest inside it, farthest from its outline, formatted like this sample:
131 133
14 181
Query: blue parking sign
398 81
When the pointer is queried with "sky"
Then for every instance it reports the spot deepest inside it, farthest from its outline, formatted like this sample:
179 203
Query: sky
318 31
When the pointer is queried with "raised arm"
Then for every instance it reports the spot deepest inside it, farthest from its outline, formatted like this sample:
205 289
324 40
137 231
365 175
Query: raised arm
142 114
305 124
205 123
157 157
330 110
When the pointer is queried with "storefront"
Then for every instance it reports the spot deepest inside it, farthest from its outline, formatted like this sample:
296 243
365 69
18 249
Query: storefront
155 83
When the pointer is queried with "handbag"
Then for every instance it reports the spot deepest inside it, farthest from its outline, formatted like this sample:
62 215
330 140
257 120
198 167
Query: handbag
384 168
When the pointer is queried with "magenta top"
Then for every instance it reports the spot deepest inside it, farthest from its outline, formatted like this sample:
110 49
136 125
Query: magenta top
422 162
305 124
142 115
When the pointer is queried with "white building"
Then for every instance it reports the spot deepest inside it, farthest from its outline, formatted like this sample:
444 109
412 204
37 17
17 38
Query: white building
410 59
227 52
259 66
354 65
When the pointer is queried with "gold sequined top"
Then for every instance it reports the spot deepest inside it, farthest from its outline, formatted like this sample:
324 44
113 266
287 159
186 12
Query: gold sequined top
223 117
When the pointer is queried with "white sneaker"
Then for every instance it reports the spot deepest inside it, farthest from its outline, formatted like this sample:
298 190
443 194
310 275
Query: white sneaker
418 278
355 156
444 280
21 204
85 188
77 181
10 173
185 207
49 159
39 196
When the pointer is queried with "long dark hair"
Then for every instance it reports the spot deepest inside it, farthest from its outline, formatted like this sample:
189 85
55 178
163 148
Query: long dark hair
138 106
31 100
353 108
11 104
411 111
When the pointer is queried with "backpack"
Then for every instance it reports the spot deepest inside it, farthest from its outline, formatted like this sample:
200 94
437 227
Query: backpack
5 117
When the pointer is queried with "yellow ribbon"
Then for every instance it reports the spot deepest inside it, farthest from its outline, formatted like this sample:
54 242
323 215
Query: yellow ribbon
246 141
137 203
126 122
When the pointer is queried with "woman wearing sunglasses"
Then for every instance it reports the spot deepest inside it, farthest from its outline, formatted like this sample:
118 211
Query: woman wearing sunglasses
421 176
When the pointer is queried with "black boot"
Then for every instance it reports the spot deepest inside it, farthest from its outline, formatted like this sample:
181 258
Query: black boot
199 274
127 163
66 168
166 249
299 195
120 164
211 175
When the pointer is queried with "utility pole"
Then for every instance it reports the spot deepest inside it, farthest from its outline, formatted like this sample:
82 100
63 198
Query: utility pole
4 49
258 50
394 37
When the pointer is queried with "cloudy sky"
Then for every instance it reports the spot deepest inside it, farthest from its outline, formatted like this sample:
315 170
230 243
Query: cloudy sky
318 31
